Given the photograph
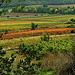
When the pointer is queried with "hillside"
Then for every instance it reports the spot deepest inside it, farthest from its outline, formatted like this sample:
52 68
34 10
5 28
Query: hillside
57 2
40 2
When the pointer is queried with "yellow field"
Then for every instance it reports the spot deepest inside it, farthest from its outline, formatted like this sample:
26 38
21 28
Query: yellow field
21 22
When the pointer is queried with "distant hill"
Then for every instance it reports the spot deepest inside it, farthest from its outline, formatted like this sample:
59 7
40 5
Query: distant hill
50 2
41 2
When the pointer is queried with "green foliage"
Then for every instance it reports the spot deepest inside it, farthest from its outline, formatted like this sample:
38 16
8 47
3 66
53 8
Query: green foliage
71 26
6 31
72 21
5 63
2 53
25 67
38 49
17 4
1 36
0 12
72 31
73 47
45 9
45 37
33 26
33 51
22 7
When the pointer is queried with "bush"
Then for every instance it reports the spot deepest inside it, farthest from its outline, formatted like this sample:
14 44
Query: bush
6 31
0 47
17 16
45 37
71 26
72 19
1 36
0 12
33 26
68 22
72 31
7 16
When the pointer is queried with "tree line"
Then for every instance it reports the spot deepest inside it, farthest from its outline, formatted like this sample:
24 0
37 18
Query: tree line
45 9
39 2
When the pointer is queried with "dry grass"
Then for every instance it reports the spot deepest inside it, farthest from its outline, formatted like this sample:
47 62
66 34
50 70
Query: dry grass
55 61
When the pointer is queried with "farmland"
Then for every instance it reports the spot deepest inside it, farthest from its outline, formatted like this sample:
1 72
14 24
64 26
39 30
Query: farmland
37 43
50 21
21 26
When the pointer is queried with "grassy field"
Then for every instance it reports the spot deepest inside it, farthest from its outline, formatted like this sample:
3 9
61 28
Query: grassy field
16 23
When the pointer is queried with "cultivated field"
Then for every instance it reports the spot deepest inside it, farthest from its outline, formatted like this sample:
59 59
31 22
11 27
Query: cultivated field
50 21
19 39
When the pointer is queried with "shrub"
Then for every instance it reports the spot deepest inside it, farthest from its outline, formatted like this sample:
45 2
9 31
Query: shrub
45 37
0 12
0 47
1 36
7 16
6 31
72 31
33 26
73 47
68 22
72 20
71 26
17 16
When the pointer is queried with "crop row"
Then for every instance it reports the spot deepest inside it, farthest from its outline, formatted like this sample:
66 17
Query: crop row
38 32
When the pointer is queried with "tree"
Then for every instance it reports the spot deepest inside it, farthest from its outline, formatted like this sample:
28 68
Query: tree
0 12
33 26
22 7
50 11
8 2
25 10
17 4
6 31
1 36
56 10
34 10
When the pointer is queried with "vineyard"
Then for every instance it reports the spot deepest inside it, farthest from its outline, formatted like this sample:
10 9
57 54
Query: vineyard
38 32
37 39
37 45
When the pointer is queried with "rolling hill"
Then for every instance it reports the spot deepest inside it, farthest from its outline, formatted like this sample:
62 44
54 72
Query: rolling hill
41 2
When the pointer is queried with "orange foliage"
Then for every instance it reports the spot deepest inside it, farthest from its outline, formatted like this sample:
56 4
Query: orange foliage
37 32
